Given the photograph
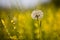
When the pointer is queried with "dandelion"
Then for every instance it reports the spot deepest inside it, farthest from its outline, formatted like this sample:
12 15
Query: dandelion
37 14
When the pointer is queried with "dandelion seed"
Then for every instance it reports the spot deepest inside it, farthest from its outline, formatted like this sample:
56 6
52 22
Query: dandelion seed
37 14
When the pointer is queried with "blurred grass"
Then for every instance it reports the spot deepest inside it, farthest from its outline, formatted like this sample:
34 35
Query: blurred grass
28 29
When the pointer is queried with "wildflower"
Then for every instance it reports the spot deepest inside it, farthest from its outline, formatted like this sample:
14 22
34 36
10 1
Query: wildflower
37 14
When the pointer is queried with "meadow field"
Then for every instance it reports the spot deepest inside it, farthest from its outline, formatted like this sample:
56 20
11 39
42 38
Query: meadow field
16 24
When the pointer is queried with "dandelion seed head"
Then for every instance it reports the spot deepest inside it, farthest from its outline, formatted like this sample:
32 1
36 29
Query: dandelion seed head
37 13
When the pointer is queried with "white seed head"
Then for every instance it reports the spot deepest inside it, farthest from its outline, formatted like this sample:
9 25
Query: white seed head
37 13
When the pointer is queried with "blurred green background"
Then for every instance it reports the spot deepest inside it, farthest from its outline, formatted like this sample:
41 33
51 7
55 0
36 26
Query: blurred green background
16 24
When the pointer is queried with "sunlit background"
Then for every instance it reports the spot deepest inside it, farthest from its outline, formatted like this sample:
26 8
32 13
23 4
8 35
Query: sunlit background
16 22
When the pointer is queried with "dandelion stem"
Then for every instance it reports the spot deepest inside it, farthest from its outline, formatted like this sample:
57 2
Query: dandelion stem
40 23
37 17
